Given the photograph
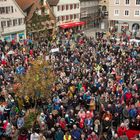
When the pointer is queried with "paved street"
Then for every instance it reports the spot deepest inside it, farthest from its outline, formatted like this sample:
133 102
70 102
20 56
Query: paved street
91 31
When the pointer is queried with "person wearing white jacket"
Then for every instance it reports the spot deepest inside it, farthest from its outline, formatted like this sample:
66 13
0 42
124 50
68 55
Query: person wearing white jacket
34 136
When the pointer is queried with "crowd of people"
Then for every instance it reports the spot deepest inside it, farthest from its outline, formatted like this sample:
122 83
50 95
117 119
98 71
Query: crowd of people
96 95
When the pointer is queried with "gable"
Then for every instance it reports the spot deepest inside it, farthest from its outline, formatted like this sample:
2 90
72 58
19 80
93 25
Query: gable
18 8
25 4
53 2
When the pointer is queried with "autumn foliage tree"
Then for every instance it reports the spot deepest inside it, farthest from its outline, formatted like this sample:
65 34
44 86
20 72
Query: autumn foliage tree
37 81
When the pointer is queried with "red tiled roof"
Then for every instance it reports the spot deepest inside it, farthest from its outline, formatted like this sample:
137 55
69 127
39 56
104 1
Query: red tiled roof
53 2
24 4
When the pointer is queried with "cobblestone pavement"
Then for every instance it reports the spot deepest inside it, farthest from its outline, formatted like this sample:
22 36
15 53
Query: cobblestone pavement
91 32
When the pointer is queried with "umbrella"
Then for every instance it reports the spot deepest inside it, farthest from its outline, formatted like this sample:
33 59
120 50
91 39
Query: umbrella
11 52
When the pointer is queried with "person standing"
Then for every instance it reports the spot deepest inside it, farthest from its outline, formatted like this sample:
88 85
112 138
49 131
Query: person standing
67 136
34 136
59 134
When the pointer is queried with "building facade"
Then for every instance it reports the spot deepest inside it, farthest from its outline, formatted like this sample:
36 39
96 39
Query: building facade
89 12
104 7
67 12
12 21
124 15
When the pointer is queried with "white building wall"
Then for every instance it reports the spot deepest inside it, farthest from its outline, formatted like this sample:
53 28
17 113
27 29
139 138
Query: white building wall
16 17
117 10
66 13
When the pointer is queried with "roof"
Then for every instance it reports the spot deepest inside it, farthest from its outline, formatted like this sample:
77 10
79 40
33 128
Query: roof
53 2
30 5
25 4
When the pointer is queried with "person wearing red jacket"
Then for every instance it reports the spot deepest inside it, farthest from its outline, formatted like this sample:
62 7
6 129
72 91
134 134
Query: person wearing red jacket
81 123
122 130
62 123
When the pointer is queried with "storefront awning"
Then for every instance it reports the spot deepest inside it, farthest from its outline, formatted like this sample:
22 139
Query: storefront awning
72 24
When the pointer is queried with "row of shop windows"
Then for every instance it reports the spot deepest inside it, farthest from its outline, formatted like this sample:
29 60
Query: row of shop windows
125 26
16 37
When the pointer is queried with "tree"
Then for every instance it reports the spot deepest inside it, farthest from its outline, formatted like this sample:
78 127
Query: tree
38 26
37 81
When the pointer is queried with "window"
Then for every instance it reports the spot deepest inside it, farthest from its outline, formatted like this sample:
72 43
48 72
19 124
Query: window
71 17
9 23
67 7
137 12
3 24
74 6
78 6
127 2
116 12
126 13
20 21
58 19
12 10
117 1
62 18
14 22
7 10
58 8
67 17
75 16
137 2
62 7
2 10
71 6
